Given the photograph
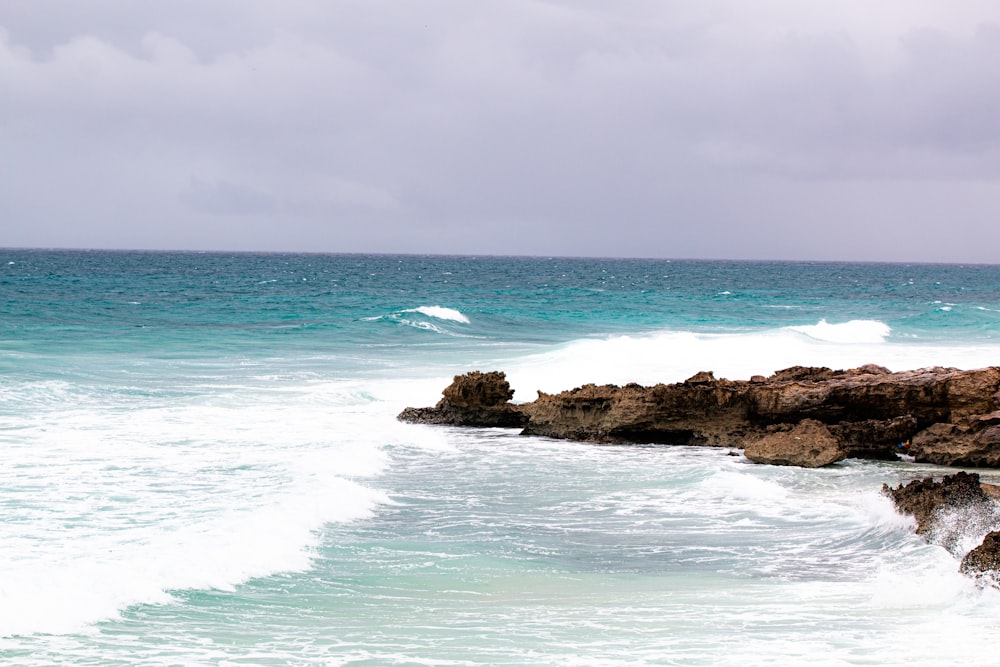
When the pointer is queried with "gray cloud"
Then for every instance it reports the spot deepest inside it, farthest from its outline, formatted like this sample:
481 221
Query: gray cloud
713 129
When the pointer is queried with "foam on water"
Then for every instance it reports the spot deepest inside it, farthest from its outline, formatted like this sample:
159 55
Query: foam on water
440 313
673 356
433 312
855 331
114 500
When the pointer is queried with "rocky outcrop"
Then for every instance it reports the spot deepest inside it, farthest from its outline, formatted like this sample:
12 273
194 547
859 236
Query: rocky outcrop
473 399
936 415
869 411
951 513
809 445
928 500
971 442
984 560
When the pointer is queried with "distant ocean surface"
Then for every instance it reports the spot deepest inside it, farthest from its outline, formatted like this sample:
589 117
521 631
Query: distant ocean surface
201 465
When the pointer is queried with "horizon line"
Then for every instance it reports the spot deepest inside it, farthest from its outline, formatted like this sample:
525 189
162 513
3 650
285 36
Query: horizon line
474 255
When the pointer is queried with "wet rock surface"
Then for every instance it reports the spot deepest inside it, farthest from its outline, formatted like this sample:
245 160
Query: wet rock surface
809 444
952 510
984 560
801 416
472 399
926 499
934 415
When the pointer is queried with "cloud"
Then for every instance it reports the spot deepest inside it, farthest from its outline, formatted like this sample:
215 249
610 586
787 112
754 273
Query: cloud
224 198
695 129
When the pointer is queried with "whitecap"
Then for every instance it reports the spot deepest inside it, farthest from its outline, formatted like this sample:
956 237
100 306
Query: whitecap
855 331
191 495
440 312
673 356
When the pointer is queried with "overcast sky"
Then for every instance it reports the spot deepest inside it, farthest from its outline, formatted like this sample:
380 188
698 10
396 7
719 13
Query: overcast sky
781 129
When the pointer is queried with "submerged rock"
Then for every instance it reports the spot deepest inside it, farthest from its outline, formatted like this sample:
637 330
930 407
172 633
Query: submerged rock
472 399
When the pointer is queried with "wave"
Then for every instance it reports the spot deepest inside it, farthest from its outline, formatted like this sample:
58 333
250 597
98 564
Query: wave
673 356
56 592
180 494
855 331
439 312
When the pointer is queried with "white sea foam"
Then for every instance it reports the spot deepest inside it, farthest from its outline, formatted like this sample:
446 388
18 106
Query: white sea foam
440 313
115 500
855 331
673 356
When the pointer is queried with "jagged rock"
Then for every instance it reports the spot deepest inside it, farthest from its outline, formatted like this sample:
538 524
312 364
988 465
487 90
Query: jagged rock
953 511
867 439
936 415
472 399
929 395
802 373
809 445
984 559
870 369
479 390
925 499
682 414
973 444
869 410
702 377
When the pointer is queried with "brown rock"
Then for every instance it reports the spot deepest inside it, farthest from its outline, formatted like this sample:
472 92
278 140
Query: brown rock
958 445
874 438
472 399
984 559
701 377
950 511
870 369
952 416
925 499
794 373
809 445
705 413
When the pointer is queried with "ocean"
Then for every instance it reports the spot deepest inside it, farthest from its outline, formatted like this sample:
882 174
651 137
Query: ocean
202 466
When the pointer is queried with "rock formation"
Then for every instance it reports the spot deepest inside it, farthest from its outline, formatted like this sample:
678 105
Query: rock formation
984 560
799 416
952 510
936 415
926 500
808 444
473 399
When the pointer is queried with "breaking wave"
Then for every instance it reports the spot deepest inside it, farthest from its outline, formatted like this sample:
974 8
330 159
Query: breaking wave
440 313
855 331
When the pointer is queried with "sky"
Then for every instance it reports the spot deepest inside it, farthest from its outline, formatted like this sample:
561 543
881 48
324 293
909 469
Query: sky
716 129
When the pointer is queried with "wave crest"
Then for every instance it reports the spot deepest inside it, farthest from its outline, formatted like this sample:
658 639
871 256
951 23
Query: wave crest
440 312
855 331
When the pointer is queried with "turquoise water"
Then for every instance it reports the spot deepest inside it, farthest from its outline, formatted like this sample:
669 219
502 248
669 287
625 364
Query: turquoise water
202 465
